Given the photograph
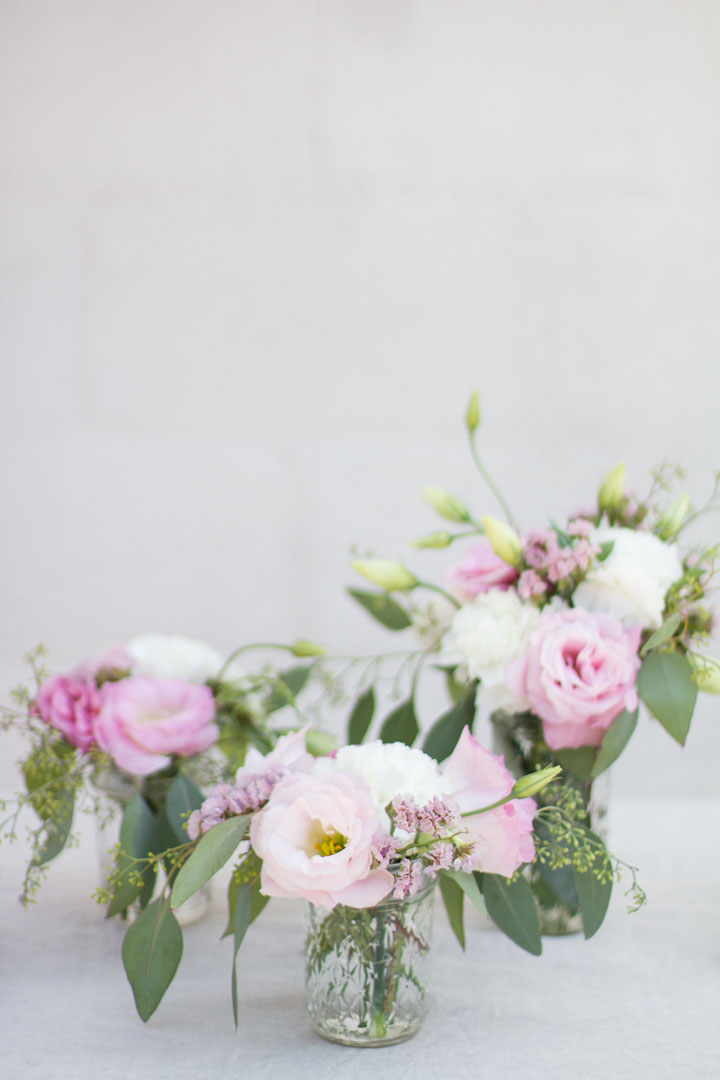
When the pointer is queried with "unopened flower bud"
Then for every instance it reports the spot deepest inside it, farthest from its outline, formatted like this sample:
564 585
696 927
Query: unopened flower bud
320 743
673 520
504 541
446 505
472 416
530 784
612 488
707 672
387 573
303 648
433 540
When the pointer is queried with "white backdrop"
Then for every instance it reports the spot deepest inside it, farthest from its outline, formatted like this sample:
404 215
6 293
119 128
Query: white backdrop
255 256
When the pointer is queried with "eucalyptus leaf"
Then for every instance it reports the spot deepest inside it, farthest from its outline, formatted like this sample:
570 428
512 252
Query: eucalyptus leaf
443 736
211 853
151 952
138 838
56 831
184 797
383 609
666 685
288 685
511 906
453 899
242 917
247 873
361 717
662 635
593 894
400 725
615 740
579 761
469 886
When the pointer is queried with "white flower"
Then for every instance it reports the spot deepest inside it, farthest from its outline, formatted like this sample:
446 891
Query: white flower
167 656
389 769
488 633
632 582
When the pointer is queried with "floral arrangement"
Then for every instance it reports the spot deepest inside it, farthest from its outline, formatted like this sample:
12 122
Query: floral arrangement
346 831
558 633
155 719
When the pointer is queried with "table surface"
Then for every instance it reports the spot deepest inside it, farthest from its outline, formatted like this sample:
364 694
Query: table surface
641 999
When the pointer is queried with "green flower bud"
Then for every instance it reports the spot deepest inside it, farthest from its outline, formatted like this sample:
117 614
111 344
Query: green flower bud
472 416
320 743
504 541
433 540
707 672
446 505
530 784
612 488
388 574
302 648
673 520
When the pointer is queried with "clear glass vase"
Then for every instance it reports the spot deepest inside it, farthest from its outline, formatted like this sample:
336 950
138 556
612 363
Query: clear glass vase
366 970
520 740
113 791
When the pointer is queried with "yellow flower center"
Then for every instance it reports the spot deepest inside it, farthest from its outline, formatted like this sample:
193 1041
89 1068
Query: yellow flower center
330 843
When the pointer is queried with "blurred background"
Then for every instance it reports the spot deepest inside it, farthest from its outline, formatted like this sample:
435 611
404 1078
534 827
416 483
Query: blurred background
256 255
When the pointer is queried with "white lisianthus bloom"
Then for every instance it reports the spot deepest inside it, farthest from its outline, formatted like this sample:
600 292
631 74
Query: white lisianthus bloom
168 656
632 582
485 636
389 769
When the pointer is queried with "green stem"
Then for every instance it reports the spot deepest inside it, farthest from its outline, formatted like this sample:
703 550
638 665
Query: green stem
437 589
490 483
246 648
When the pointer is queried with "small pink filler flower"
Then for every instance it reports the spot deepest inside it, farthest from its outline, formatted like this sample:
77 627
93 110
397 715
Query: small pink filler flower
143 721
315 837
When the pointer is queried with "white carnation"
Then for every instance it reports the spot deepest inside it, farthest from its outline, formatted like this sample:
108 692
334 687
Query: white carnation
390 769
167 656
632 582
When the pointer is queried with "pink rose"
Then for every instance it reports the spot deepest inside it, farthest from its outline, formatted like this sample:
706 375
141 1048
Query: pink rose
479 570
578 672
70 704
474 778
143 721
315 837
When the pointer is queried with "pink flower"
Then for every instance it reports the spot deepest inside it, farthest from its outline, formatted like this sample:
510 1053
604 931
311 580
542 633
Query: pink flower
502 837
117 658
143 721
578 671
289 753
316 836
480 569
70 704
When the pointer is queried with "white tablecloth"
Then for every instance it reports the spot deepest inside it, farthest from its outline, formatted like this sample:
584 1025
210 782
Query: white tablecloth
640 1000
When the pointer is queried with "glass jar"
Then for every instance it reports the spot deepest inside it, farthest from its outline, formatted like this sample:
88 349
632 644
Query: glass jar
366 969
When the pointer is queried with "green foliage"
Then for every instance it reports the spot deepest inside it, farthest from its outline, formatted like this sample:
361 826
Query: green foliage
361 717
616 739
183 797
401 724
245 874
286 687
445 732
663 634
594 888
666 685
511 906
211 852
580 762
152 950
134 876
383 609
453 899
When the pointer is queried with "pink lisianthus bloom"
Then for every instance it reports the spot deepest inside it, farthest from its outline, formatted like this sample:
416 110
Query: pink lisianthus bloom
70 704
479 570
316 836
144 721
578 671
475 778
289 754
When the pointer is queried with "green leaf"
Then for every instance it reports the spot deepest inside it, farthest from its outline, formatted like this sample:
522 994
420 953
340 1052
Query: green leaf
383 609
151 952
616 739
564 540
56 831
53 798
666 685
662 635
453 898
361 717
211 853
606 550
138 838
183 797
510 904
558 881
469 886
593 894
400 725
580 761
456 689
242 917
288 685
442 737
246 873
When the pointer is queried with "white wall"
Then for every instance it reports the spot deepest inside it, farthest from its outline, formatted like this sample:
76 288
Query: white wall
256 255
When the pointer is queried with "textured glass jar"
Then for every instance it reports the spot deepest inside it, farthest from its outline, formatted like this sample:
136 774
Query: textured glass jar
113 791
519 739
366 969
